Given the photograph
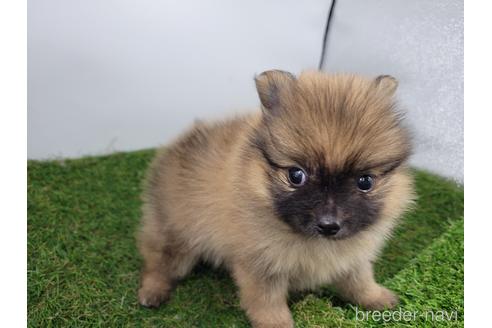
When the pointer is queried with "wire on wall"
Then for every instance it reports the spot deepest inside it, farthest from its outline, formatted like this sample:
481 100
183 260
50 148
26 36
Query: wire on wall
325 37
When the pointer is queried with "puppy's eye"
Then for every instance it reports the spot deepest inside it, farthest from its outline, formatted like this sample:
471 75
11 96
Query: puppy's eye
297 177
365 183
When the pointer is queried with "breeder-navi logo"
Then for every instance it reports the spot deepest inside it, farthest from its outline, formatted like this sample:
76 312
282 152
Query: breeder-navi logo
405 315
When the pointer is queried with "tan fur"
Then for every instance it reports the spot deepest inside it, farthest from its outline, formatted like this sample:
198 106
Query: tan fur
207 198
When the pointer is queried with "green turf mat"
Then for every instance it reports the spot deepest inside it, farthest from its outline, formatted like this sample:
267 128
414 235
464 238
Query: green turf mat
83 264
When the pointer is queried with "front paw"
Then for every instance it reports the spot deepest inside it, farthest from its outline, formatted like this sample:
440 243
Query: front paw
280 324
152 298
154 291
380 298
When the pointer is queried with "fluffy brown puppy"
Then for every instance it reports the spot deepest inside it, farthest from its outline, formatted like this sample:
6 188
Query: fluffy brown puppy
299 195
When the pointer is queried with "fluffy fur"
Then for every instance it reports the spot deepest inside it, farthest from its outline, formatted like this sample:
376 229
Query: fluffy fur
221 194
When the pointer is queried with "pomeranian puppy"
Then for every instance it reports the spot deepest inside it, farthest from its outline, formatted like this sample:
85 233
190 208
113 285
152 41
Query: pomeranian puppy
301 194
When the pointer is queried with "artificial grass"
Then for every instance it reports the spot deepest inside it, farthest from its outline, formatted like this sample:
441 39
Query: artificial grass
83 265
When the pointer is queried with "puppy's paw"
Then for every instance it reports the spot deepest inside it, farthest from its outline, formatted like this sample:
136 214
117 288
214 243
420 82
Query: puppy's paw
152 298
267 317
281 324
380 299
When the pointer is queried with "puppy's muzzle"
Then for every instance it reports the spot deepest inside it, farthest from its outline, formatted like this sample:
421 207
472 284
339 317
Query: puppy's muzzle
328 226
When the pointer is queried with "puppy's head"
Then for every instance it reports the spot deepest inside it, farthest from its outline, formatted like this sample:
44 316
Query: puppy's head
333 147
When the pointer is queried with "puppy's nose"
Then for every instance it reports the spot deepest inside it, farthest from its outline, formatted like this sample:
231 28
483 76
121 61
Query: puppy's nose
328 226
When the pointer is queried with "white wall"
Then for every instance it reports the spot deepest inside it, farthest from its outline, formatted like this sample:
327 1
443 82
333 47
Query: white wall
121 75
420 43
124 75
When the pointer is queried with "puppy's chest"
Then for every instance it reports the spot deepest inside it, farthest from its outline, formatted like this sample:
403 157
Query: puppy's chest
321 263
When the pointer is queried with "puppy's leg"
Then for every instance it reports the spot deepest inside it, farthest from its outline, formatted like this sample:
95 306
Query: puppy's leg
165 261
264 300
360 287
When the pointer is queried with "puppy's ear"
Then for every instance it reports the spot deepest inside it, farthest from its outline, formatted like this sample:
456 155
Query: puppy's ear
386 84
272 86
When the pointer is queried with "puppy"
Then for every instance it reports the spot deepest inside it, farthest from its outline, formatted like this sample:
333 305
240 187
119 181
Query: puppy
301 194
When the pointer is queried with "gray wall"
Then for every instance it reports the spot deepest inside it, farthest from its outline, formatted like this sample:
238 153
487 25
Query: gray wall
420 43
118 75
122 75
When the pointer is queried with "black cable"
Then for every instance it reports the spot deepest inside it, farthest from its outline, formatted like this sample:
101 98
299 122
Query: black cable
325 37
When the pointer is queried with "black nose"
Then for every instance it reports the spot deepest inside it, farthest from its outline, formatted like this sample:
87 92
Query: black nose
328 227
